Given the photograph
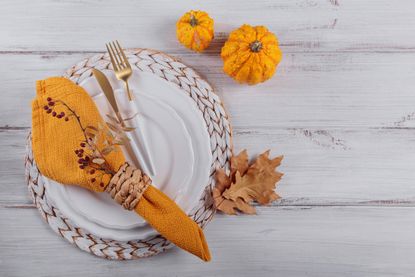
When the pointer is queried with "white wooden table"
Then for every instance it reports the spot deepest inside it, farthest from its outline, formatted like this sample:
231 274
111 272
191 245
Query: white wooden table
341 108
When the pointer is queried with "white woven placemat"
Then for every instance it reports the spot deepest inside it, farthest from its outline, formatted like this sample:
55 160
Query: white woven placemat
219 129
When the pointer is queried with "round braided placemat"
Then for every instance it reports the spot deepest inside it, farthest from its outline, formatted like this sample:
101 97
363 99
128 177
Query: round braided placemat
219 129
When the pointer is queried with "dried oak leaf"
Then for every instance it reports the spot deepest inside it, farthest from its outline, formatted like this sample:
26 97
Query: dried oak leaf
247 183
239 163
225 205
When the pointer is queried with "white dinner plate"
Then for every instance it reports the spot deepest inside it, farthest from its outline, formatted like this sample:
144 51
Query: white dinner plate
178 142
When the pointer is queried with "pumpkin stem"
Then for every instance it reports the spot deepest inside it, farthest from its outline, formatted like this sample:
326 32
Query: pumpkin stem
256 46
193 21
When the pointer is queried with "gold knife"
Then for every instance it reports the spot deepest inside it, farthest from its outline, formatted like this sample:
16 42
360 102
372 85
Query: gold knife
108 91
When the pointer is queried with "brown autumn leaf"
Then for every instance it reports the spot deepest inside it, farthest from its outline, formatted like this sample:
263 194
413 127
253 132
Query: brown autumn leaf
258 183
229 206
239 163
247 183
222 180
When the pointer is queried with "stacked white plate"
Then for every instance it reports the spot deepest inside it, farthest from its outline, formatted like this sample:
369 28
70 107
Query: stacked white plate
177 141
187 134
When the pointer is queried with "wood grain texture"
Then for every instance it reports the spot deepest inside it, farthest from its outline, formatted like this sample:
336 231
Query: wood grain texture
329 90
341 108
330 241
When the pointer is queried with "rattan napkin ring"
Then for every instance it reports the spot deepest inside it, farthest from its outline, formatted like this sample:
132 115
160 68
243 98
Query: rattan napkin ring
128 185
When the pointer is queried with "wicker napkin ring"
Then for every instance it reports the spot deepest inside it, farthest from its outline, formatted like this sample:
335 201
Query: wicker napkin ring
128 185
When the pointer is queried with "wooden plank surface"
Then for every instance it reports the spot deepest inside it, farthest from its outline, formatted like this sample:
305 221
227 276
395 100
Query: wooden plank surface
341 109
280 241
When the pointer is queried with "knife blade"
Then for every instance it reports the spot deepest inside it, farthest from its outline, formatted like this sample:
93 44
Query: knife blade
107 89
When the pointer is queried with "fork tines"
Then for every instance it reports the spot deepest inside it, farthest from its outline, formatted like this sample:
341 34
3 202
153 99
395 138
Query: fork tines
122 67
117 55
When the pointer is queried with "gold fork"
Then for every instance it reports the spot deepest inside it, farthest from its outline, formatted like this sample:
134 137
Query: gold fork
122 67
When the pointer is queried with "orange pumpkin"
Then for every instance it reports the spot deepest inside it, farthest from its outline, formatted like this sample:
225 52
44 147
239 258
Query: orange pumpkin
251 54
195 30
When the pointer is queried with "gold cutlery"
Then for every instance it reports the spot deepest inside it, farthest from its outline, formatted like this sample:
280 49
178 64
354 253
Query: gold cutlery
142 158
122 67
109 93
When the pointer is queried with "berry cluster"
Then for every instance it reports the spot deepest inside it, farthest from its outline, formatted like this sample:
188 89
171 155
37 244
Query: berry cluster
50 108
84 162
83 157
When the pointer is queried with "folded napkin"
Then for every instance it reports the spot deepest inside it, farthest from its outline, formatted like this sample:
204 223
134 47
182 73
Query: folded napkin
61 113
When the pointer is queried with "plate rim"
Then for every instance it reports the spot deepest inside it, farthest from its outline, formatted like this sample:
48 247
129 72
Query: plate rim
80 215
219 128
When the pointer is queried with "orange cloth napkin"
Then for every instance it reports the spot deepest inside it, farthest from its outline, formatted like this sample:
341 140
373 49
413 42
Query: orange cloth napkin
57 134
